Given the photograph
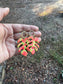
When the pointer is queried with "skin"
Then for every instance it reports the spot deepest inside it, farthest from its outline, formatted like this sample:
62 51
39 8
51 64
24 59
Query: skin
10 33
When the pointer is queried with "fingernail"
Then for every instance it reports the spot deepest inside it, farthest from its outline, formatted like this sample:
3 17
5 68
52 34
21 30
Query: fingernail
6 8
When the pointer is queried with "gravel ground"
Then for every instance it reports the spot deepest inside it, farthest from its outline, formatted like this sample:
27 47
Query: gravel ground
25 71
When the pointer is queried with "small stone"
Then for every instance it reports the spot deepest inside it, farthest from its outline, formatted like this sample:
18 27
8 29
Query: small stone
44 80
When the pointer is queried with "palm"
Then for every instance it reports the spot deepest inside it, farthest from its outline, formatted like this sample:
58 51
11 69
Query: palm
7 42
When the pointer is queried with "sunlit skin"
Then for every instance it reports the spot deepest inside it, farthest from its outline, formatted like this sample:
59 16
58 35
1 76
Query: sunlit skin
10 33
50 8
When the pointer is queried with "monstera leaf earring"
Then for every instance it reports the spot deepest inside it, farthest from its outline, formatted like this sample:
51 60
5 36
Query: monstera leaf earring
27 43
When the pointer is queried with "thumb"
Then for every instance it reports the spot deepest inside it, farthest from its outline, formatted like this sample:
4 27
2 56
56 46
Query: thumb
3 12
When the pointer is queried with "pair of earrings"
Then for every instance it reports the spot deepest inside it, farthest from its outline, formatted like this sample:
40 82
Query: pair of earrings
27 43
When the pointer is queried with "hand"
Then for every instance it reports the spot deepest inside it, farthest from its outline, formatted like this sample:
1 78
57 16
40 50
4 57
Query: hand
9 34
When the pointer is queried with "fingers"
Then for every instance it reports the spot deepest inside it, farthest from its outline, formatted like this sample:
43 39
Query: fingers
18 28
18 35
22 27
3 12
37 34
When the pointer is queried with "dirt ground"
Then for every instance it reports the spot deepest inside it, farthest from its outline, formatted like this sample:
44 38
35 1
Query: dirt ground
44 67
